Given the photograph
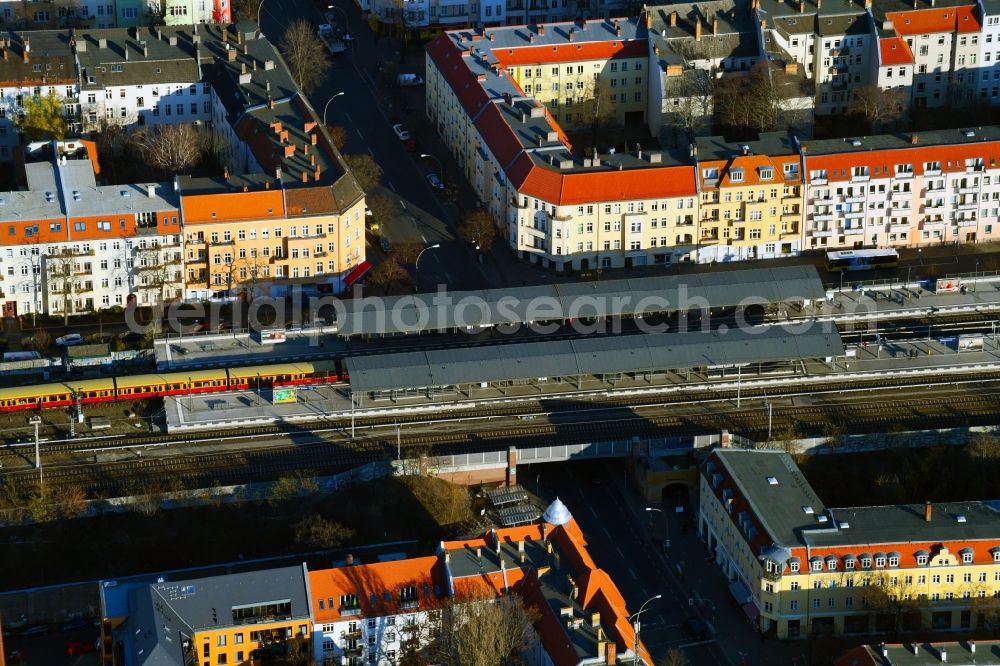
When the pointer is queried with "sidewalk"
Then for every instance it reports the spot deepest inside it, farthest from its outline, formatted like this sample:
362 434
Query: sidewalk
690 569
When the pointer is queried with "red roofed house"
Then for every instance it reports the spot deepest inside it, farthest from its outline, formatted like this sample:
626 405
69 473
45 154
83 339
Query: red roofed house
374 613
799 567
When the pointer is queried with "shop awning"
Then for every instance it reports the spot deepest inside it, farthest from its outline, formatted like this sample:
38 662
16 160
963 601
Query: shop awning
357 273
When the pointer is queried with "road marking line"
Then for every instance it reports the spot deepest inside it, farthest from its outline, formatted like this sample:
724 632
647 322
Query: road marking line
423 238
359 133
684 646
606 532
594 513
620 553
370 151
348 116
403 204
633 574
391 186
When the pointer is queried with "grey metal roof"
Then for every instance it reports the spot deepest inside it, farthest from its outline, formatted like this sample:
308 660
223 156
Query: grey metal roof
586 356
163 614
779 510
903 141
419 312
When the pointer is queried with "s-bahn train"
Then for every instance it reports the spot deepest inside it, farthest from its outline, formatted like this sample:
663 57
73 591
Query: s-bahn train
136 387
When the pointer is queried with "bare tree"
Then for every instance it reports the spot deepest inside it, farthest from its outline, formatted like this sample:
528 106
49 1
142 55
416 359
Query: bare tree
315 532
170 148
594 107
338 134
305 55
59 268
480 629
750 101
382 207
879 107
388 274
691 97
156 12
673 657
244 10
478 229
887 597
157 276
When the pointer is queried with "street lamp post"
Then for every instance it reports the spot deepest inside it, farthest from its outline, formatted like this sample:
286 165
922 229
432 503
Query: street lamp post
666 523
416 264
259 7
436 161
328 105
636 626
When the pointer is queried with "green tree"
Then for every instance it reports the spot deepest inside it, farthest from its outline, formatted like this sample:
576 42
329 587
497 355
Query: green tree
478 229
366 171
43 117
314 532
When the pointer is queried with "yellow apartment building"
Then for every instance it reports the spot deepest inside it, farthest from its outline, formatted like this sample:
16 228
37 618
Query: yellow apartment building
798 567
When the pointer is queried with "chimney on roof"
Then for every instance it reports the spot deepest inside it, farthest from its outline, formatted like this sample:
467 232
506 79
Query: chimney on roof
819 4
595 619
763 24
715 25
270 100
673 19
972 648
243 68
349 558
151 190
541 30
225 173
290 150
314 138
305 149
489 36
316 172
277 173
159 34
246 49
531 38
145 49
267 184
283 135
649 20
305 176
612 654
27 49
231 55
571 31
544 530
253 63
928 511
618 31
479 553
697 29
802 6
944 653
868 4
914 139
172 40
102 42
125 50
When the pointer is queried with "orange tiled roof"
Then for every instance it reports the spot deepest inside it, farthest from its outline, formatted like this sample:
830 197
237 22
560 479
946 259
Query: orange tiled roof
448 58
982 551
570 189
371 582
598 593
934 20
895 51
882 163
751 166
571 52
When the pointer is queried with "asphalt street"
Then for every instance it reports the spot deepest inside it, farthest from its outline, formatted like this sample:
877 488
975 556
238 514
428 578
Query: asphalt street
366 112
622 546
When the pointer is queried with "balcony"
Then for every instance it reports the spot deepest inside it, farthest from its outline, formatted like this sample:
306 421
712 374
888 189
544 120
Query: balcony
708 240
899 228
962 189
517 204
197 260
933 205
823 201
903 174
855 199
968 206
354 650
147 230
968 223
409 603
824 217
854 231
932 172
351 633
932 225
345 611
821 233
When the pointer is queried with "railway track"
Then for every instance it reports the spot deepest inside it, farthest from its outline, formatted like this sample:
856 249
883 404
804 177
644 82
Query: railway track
327 456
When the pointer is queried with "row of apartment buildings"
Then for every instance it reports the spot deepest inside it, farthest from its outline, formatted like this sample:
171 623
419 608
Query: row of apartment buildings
932 51
379 613
48 14
285 211
503 99
799 567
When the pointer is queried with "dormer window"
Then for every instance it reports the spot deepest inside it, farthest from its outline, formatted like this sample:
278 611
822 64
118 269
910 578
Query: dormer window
967 555
996 554
711 173
922 559
766 173
866 563
736 175
793 565
849 563
880 562
894 560
831 564
816 565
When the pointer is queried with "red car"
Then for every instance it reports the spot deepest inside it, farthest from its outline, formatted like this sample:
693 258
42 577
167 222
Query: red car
75 648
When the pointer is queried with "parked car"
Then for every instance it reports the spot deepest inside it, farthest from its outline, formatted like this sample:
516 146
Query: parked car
409 80
385 244
696 629
325 29
37 630
14 656
73 625
330 17
76 647
70 340
401 132
435 181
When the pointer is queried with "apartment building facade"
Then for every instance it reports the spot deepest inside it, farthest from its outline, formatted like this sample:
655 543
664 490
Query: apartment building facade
54 14
284 212
799 567
573 209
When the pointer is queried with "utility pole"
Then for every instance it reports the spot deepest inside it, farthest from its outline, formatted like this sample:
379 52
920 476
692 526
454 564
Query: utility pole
37 421
770 411
739 384
399 448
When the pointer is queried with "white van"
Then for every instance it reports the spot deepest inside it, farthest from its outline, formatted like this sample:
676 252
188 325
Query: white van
408 80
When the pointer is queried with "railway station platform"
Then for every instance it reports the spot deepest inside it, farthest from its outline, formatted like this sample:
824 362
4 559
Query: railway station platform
714 367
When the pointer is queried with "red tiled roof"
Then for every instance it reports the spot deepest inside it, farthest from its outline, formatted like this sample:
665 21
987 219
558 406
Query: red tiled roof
935 20
498 135
751 165
570 189
571 52
448 58
373 581
895 51
982 552
882 163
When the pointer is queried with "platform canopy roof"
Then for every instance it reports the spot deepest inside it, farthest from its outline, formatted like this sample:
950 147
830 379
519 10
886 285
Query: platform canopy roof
589 356
421 313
